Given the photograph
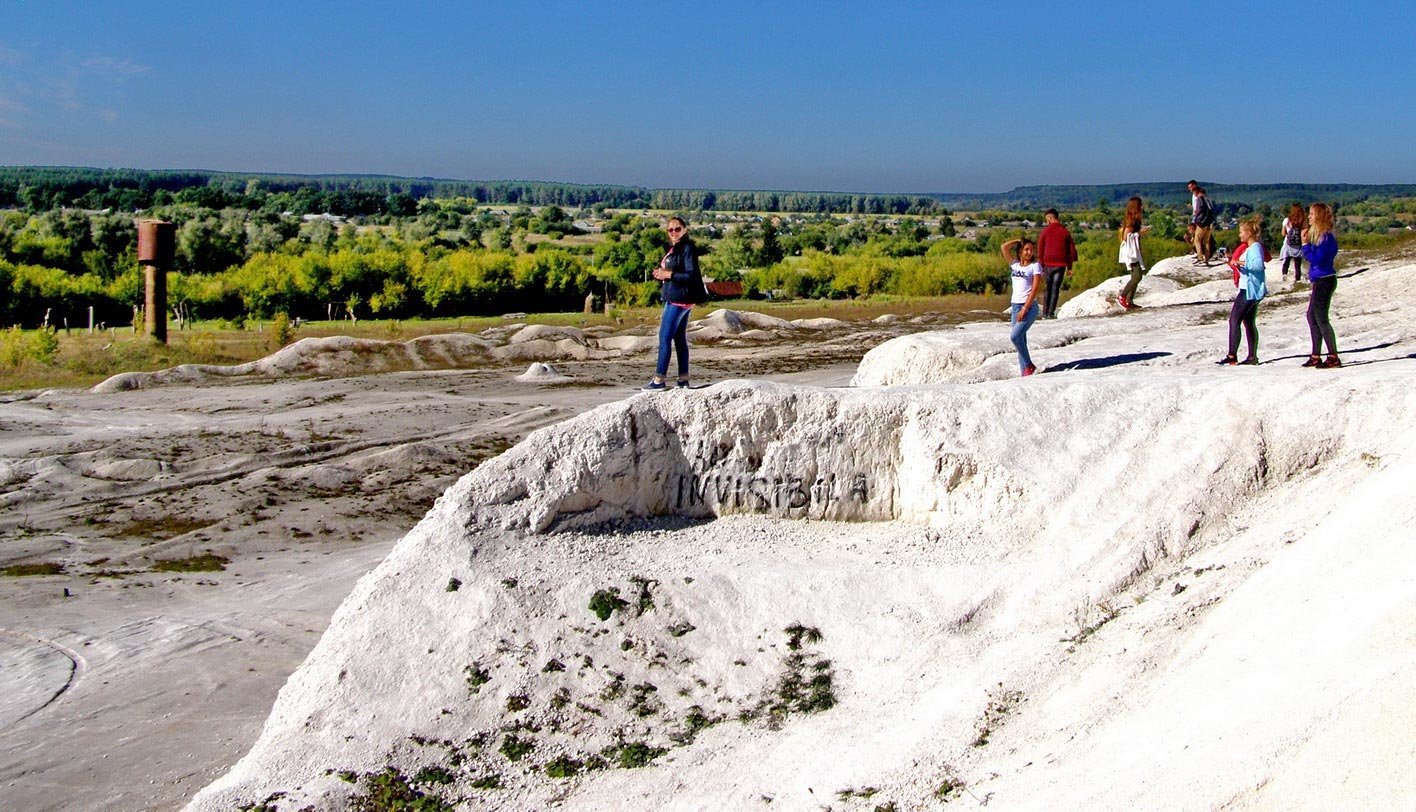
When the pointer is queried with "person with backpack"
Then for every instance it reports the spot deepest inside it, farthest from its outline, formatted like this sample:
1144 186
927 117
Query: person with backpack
1203 220
1320 249
1292 251
682 289
1057 252
1248 263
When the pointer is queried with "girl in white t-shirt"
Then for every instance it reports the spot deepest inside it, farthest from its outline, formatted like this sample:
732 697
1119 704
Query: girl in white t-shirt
1027 278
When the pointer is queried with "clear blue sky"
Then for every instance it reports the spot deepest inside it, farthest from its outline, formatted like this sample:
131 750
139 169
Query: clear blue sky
880 96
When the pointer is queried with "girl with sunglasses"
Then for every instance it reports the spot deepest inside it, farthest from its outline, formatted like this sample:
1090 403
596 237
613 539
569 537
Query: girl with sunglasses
682 288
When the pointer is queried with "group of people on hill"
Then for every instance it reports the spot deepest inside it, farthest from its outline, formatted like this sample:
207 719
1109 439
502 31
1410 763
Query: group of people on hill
1307 235
1038 269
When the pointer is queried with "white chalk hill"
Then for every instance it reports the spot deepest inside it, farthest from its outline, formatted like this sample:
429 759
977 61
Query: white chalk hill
1120 588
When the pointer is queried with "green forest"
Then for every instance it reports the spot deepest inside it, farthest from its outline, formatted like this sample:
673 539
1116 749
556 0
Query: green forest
322 247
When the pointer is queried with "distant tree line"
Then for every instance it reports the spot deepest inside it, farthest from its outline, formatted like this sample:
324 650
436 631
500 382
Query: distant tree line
40 188
1173 193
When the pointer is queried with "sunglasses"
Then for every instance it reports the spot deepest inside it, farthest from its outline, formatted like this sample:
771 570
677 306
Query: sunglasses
674 229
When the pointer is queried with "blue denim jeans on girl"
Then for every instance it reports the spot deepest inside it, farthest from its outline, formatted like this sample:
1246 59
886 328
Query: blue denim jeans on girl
1019 334
673 335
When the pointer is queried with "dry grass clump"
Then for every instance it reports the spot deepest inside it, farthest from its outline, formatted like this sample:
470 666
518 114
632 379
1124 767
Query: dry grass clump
205 562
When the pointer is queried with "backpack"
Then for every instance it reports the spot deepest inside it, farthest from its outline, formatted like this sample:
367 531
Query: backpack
1294 238
1206 217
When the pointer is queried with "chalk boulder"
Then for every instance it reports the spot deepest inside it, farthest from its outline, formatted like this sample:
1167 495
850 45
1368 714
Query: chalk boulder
540 372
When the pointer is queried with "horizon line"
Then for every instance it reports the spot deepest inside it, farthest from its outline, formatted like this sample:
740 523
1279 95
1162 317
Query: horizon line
432 178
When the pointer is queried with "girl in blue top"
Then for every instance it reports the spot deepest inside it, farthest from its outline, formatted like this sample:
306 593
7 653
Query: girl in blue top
1320 249
1252 289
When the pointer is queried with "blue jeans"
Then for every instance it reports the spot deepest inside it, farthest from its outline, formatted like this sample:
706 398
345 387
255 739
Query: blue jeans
1019 334
673 336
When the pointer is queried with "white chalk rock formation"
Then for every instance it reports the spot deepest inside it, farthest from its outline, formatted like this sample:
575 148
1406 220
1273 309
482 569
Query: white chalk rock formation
542 373
542 349
762 321
1112 591
627 344
335 355
716 326
533 332
821 323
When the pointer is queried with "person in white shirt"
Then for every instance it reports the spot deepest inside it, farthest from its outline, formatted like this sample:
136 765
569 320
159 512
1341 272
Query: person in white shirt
1027 277
1130 253
1293 227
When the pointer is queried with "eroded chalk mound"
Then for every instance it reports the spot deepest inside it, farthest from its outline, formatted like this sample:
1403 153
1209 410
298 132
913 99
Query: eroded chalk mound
341 355
714 599
333 355
542 373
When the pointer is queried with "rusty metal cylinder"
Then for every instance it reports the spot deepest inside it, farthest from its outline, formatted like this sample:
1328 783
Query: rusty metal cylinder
157 248
157 243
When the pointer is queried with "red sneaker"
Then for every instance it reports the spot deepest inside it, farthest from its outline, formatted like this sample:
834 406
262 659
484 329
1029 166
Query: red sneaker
1029 371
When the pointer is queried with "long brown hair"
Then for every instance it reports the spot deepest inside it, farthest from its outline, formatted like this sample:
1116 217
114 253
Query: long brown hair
1321 222
1131 221
1297 218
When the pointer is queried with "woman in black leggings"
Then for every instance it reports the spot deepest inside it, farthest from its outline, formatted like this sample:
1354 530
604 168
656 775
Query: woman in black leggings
1320 249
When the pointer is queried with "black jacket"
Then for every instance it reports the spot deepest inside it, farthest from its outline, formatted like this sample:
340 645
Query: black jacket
686 284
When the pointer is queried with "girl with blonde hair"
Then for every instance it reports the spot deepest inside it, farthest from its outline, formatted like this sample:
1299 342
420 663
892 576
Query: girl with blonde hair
1320 249
1252 290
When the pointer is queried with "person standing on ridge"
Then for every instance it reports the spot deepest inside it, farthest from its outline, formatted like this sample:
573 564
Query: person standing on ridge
1320 249
682 288
1203 220
1130 254
1027 278
1248 261
1194 187
1293 226
1057 252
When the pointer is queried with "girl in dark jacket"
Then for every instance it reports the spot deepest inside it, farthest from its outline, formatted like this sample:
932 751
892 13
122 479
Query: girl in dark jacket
682 289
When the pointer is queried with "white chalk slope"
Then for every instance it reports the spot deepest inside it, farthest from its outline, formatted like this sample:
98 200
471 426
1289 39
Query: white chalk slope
1136 581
